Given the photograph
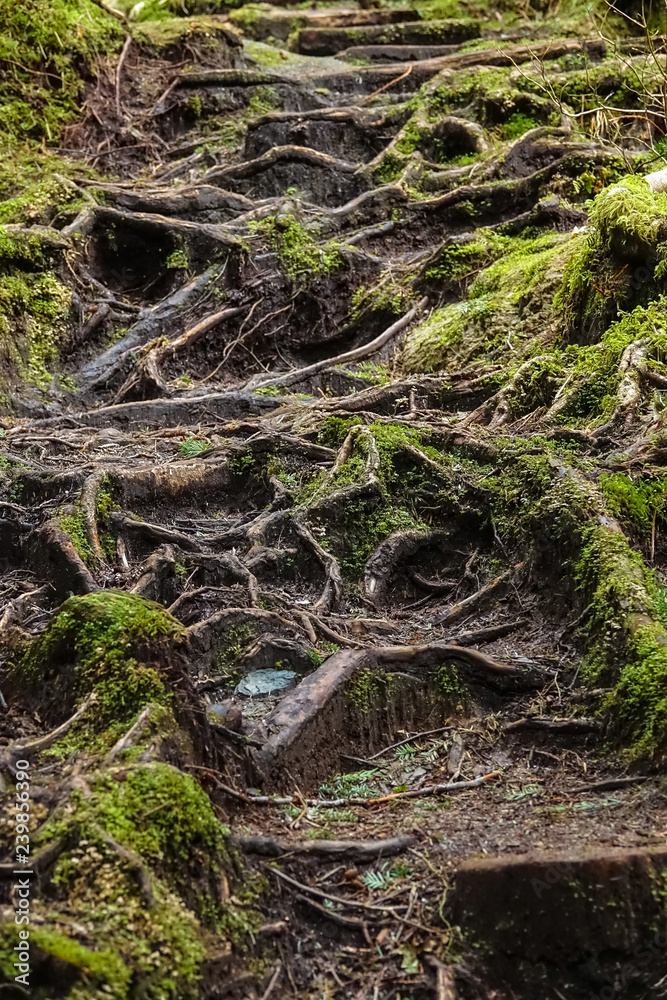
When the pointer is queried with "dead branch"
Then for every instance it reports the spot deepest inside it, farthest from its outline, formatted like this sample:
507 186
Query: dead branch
539 724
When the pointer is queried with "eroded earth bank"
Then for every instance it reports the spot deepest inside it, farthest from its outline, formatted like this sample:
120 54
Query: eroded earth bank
332 474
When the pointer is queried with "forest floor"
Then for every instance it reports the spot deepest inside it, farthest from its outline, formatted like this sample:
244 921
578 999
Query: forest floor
332 343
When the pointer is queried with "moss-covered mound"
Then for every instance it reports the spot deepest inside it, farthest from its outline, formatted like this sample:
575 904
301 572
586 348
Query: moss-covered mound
133 904
118 645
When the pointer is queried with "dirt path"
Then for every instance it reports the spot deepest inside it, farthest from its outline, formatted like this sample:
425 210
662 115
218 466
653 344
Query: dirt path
344 387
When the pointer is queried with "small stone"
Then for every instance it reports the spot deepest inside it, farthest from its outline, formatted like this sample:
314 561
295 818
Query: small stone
263 682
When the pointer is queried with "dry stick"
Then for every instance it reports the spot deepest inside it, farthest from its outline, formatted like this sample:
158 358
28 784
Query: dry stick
415 793
481 635
464 607
452 786
391 83
360 851
417 736
445 988
128 739
223 788
319 894
274 979
329 633
553 725
337 918
308 625
610 784
354 355
128 42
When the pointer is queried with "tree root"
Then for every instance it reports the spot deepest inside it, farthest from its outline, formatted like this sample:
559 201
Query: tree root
146 380
359 851
154 532
475 601
333 588
134 732
9 755
354 355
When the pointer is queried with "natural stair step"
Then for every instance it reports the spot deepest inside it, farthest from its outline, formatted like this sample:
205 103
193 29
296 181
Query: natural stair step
261 21
394 53
564 911
327 41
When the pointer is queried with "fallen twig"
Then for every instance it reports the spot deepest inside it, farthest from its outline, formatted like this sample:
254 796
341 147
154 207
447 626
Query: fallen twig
355 355
409 739
445 988
321 894
452 786
336 918
473 602
554 725
128 42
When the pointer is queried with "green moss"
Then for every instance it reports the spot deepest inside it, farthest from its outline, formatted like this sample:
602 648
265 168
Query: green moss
300 255
233 643
164 815
98 973
44 46
641 503
366 688
628 639
516 125
508 297
34 306
152 948
333 430
110 642
73 522
390 168
620 258
593 370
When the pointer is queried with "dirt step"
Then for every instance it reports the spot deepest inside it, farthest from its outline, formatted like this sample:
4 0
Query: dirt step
348 133
329 41
358 698
566 917
394 53
261 21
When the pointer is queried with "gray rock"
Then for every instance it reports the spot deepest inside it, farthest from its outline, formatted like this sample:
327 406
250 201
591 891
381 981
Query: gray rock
262 682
